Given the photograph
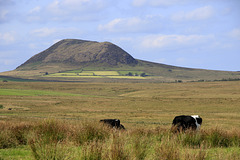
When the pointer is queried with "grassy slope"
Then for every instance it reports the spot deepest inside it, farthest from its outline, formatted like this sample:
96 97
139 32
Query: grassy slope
155 72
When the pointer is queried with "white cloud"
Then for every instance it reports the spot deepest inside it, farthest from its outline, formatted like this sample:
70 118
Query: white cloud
165 2
6 2
235 33
56 33
35 14
132 24
7 38
110 26
69 10
147 23
43 32
76 4
54 8
65 7
157 3
138 3
35 9
3 15
5 10
197 14
32 46
162 41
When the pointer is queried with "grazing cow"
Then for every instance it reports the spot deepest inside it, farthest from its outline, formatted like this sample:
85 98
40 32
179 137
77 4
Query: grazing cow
114 123
187 122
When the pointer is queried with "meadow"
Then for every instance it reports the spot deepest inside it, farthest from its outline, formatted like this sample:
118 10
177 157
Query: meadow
33 112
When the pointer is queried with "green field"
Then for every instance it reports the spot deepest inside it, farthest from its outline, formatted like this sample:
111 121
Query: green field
149 107
20 92
6 79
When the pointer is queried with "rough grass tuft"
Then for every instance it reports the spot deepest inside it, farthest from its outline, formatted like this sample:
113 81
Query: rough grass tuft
55 139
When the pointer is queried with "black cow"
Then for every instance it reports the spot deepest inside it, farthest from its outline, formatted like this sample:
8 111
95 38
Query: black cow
181 123
114 123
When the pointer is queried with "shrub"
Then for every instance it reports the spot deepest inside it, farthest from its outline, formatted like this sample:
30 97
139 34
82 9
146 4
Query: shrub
220 138
13 135
117 151
191 138
52 151
201 154
20 132
1 106
129 74
143 75
140 147
51 131
48 140
92 150
87 132
7 139
168 149
141 140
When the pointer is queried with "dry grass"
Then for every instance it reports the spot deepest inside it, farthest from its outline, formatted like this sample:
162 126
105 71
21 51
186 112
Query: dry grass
136 105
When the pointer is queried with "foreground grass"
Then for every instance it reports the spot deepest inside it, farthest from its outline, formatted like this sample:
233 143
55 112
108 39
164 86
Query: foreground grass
55 139
145 109
19 152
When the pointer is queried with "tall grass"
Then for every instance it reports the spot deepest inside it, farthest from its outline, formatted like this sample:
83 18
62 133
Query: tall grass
12 135
54 139
92 150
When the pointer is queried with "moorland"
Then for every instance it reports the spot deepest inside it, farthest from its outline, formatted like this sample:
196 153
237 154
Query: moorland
57 120
50 107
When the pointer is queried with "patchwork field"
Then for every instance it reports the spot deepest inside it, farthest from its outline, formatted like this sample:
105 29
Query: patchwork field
137 105
99 74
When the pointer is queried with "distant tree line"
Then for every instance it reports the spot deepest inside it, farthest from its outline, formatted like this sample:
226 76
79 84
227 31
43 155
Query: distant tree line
178 81
224 79
202 80
229 79
136 74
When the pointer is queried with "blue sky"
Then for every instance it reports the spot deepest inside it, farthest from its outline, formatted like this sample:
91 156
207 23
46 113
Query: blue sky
190 33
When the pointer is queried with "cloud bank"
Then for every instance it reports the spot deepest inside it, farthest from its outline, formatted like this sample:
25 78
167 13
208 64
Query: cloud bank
186 32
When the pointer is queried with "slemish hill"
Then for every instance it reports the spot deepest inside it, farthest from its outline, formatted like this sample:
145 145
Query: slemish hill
72 59
80 53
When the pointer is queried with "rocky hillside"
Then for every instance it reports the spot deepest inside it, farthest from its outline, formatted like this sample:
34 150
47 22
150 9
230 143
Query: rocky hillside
77 52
